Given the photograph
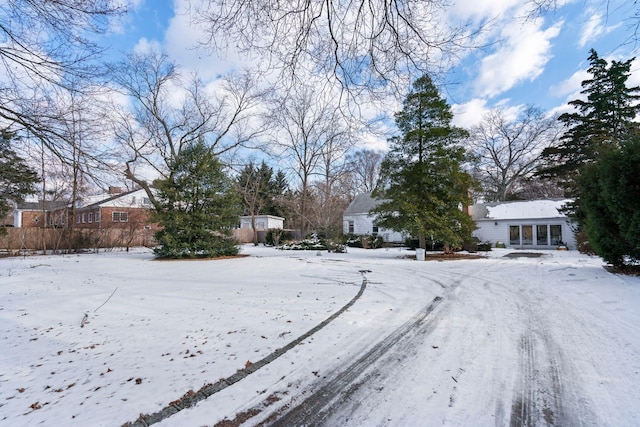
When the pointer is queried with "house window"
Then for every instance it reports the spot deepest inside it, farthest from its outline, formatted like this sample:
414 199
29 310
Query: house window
77 218
119 216
84 218
556 234
146 201
97 217
375 229
514 234
90 217
527 234
351 227
542 235
62 218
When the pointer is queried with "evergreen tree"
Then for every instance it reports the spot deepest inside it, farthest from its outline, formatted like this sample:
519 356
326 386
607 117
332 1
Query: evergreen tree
17 179
260 192
198 206
610 202
422 184
603 119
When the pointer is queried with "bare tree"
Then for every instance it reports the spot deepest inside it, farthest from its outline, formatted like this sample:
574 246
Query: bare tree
310 133
361 44
169 113
508 150
364 166
605 7
44 44
330 194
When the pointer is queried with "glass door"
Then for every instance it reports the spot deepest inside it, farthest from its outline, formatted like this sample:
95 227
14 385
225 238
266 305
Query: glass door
514 235
527 234
542 236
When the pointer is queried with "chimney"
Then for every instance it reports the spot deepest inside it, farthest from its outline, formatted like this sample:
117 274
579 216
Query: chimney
114 190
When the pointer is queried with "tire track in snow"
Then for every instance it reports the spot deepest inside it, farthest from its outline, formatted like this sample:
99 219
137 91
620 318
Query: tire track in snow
191 398
543 396
318 405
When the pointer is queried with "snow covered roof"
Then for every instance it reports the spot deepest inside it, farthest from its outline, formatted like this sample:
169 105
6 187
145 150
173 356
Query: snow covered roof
523 209
133 198
362 204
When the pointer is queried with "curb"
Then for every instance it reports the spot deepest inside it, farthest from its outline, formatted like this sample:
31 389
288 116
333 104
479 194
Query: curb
191 398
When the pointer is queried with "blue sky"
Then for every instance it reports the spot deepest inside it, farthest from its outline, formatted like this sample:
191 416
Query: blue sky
539 61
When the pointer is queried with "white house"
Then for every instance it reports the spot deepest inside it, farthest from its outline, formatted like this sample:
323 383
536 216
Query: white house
263 222
357 220
535 224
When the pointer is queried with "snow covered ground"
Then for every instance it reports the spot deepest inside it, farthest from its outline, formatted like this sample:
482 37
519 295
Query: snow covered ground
98 339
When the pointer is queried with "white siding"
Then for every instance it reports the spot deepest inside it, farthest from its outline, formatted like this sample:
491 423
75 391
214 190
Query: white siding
363 225
498 231
262 222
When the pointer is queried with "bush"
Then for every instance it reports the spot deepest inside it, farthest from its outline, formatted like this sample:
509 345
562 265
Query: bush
470 245
352 240
214 246
275 236
484 247
411 243
368 241
311 243
609 207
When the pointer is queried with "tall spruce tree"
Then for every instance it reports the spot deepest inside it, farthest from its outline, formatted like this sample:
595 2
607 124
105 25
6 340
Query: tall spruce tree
604 119
422 183
198 206
17 178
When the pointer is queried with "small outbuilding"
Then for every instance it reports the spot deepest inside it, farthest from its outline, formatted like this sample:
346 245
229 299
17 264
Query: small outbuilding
530 224
262 222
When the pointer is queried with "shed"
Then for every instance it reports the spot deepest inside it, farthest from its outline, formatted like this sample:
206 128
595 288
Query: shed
262 222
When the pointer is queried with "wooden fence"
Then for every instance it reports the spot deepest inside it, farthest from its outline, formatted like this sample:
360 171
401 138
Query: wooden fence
63 240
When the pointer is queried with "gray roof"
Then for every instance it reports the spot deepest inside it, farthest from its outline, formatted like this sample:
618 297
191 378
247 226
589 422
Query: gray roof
362 204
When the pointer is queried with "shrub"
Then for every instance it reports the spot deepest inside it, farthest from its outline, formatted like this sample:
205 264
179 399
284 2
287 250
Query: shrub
484 246
275 236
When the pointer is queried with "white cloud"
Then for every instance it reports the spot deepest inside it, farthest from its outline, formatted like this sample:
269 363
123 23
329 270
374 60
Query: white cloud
482 9
182 41
522 56
470 113
145 45
634 78
591 29
570 87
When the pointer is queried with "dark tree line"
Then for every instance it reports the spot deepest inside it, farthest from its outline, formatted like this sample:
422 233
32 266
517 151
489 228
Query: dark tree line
596 160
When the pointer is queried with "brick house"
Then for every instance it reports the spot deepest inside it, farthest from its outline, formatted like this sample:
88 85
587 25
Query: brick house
116 210
112 210
32 214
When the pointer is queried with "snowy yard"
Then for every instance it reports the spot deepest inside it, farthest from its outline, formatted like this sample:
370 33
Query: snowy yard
98 339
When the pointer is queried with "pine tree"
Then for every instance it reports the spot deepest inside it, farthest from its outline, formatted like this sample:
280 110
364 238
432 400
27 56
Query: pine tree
17 179
198 207
422 184
604 119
